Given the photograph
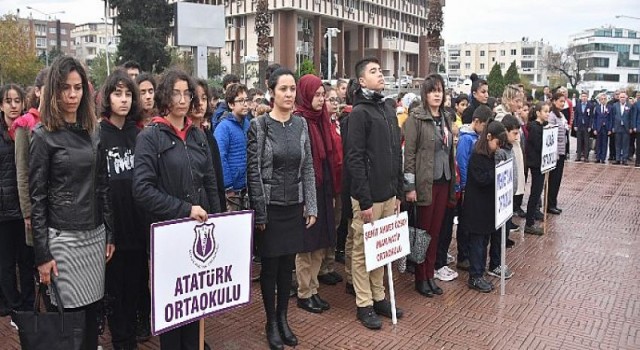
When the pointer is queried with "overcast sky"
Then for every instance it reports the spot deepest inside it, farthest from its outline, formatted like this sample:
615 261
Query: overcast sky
465 20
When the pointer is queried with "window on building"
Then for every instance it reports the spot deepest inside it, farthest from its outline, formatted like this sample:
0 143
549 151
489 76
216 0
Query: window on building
632 79
241 45
595 62
493 59
41 29
514 52
618 33
52 30
636 49
502 65
528 51
52 43
607 33
482 52
453 65
481 65
63 43
528 64
93 27
103 40
503 53
467 53
63 31
602 77
41 42
242 20
632 34
467 66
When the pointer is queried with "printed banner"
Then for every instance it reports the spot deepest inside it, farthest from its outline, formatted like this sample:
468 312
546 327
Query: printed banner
386 240
549 149
199 269
504 192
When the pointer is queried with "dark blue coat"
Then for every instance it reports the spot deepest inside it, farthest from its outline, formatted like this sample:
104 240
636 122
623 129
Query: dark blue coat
583 119
600 119
232 142
621 119
635 119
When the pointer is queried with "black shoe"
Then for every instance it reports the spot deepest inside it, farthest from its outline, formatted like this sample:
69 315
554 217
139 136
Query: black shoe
319 302
294 288
143 330
434 287
423 288
286 334
617 162
479 284
624 162
327 279
336 276
383 308
369 318
534 230
578 160
558 209
349 289
539 216
309 305
340 256
553 211
510 243
463 265
586 160
519 212
273 336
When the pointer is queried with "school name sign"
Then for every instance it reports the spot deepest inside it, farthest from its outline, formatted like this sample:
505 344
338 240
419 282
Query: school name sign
199 269
504 192
386 240
549 149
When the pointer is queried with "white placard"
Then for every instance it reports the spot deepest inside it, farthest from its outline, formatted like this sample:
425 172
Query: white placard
198 269
549 149
386 240
504 192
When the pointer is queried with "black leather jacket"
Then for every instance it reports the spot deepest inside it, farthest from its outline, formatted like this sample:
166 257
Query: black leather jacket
68 185
9 202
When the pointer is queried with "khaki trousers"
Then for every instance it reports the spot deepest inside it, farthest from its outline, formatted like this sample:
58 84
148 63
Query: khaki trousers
369 286
307 268
329 261
348 247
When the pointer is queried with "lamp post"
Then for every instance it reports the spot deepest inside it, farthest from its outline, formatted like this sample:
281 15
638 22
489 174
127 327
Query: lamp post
48 16
636 18
331 33
107 43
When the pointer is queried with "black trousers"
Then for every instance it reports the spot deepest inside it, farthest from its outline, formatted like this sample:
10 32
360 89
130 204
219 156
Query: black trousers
555 179
275 278
446 234
144 295
637 147
584 144
182 338
537 185
612 146
90 339
15 252
125 274
517 201
632 145
462 236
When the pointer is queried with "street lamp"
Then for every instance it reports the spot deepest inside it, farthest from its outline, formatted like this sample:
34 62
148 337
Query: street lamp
331 33
636 18
48 16
107 43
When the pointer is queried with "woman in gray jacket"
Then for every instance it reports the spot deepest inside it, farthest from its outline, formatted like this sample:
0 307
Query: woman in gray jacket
282 191
555 177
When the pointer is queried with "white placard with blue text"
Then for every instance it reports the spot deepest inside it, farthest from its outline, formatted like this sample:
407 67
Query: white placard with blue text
199 269
504 192
549 149
386 240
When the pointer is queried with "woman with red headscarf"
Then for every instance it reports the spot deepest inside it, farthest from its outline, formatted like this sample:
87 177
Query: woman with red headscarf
310 105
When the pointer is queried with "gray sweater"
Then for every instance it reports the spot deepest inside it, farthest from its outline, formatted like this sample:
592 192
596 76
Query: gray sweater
561 122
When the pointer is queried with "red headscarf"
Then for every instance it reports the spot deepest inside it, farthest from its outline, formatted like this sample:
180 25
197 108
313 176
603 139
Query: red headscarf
318 121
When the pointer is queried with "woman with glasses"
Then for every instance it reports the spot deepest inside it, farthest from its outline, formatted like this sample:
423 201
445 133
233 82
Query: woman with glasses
174 176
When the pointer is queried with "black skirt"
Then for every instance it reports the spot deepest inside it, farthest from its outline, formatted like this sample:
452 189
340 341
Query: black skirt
284 231
323 233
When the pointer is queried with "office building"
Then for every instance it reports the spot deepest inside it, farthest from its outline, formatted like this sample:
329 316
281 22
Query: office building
92 38
49 35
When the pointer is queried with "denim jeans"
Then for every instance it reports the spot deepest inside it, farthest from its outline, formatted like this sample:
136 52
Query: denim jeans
622 145
478 253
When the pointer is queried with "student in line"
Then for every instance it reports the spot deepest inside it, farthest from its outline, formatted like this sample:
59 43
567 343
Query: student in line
538 120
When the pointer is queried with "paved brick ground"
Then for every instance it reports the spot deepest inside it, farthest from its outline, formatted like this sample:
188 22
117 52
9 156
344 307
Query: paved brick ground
576 288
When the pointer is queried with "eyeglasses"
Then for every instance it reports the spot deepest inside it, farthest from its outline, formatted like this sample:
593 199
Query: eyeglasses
258 100
242 100
177 96
333 100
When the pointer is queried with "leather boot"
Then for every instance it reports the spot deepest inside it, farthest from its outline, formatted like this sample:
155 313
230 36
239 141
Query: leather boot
273 335
422 287
434 287
285 332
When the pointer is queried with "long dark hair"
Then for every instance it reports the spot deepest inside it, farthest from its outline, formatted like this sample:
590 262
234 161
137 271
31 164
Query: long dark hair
497 130
4 90
535 109
51 115
430 84
117 79
555 97
33 101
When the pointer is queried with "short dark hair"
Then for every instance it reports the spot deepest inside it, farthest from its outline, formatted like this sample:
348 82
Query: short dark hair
253 92
131 64
431 84
118 78
146 77
400 96
233 91
362 64
275 76
270 69
473 77
482 113
230 79
475 86
510 122
215 93
163 96
460 98
497 130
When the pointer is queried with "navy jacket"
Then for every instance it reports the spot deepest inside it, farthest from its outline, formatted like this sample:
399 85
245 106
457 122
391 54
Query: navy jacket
621 119
635 120
232 142
600 119
583 120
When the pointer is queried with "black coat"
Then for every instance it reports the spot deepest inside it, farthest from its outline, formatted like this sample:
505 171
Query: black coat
217 165
467 115
172 175
534 144
68 185
480 194
9 201
374 156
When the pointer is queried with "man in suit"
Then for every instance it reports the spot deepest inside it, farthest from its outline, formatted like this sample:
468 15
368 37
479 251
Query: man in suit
636 126
601 127
612 137
622 127
582 123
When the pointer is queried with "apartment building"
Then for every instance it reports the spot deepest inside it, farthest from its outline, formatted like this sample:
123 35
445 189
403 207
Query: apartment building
465 59
611 57
49 35
92 38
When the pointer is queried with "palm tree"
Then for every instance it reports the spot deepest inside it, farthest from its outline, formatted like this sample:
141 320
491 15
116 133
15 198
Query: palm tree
263 30
435 22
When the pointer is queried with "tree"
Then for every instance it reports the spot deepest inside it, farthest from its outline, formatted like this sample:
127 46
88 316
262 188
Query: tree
263 30
324 63
435 23
306 67
495 81
181 60
98 68
18 61
144 29
512 76
214 66
53 54
567 62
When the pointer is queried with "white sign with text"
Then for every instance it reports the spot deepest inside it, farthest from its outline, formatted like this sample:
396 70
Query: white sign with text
549 149
504 192
386 240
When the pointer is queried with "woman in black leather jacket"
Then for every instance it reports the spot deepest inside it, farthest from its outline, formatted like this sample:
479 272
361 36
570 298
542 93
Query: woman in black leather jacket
174 176
71 210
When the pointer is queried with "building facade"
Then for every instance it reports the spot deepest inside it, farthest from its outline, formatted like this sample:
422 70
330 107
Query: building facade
92 38
50 35
611 57
465 59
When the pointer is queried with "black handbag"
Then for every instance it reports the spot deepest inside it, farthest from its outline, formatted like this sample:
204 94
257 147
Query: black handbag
61 330
418 238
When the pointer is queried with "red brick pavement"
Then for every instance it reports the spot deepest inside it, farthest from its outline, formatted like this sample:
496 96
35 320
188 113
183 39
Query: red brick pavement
576 288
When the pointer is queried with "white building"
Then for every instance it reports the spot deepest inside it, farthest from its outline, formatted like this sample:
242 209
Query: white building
465 59
611 57
92 38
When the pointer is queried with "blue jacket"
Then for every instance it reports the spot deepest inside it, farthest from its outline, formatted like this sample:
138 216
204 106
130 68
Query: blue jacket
218 115
232 141
635 119
621 121
583 119
600 119
466 142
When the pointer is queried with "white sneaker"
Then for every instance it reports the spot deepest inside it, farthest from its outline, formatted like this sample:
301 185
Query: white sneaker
446 274
450 259
496 272
13 325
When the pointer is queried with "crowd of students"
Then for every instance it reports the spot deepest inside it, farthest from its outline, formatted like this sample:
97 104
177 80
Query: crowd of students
85 172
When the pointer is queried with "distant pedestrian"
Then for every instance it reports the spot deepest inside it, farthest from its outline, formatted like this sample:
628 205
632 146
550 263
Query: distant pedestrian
602 126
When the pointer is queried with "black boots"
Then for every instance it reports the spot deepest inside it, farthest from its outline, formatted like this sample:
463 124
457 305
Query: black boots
434 287
286 334
422 287
273 335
